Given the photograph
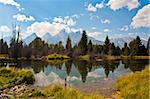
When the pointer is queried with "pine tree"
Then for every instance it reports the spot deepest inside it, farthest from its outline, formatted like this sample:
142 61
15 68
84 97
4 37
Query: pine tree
148 46
126 50
143 50
39 47
90 46
117 51
135 46
83 43
68 45
112 49
60 47
1 45
106 45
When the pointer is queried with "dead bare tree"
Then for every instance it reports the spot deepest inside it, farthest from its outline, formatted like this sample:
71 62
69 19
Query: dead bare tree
15 43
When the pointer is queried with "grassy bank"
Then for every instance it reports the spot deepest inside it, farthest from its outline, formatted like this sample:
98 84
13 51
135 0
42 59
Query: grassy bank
135 57
85 57
82 57
134 86
59 92
107 57
57 56
10 77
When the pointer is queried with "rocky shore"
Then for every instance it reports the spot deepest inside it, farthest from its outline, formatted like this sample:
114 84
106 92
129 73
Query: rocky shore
16 91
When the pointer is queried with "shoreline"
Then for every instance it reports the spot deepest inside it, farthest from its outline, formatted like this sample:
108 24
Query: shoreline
96 59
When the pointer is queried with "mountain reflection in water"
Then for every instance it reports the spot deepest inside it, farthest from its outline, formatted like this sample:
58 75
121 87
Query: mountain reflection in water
78 72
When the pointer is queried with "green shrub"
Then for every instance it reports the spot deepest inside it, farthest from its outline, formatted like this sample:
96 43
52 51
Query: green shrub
11 76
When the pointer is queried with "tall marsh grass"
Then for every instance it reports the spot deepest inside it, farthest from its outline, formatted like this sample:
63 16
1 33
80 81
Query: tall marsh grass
135 85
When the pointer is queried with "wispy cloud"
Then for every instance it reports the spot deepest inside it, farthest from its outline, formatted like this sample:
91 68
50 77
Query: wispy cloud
93 28
106 21
93 34
124 28
107 30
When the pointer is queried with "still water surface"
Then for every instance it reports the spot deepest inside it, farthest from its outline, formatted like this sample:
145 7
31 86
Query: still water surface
79 72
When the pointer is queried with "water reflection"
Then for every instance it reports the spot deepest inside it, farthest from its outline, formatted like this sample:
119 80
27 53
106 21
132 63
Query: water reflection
78 72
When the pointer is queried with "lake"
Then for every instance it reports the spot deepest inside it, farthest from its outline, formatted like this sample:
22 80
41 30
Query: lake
79 73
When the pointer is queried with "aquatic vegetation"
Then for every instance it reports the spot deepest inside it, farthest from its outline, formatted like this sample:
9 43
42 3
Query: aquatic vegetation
10 77
134 86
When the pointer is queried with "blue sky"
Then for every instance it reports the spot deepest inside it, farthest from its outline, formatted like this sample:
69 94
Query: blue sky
116 18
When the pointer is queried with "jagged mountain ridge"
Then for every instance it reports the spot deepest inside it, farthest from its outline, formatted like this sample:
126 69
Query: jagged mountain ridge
62 36
120 41
75 37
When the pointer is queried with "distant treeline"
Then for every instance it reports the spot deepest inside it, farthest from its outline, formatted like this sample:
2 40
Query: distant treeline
38 48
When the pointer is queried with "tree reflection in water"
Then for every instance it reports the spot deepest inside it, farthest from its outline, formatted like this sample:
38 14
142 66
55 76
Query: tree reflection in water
83 67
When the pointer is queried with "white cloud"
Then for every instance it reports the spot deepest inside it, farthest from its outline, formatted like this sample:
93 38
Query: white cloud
142 18
58 19
91 8
4 29
70 30
93 28
10 2
93 34
118 4
70 22
66 20
92 16
41 28
23 18
106 21
46 18
58 24
124 28
107 30
99 5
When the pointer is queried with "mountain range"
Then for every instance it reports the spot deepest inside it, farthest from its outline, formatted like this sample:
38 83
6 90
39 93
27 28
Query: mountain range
75 37
62 36
120 41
